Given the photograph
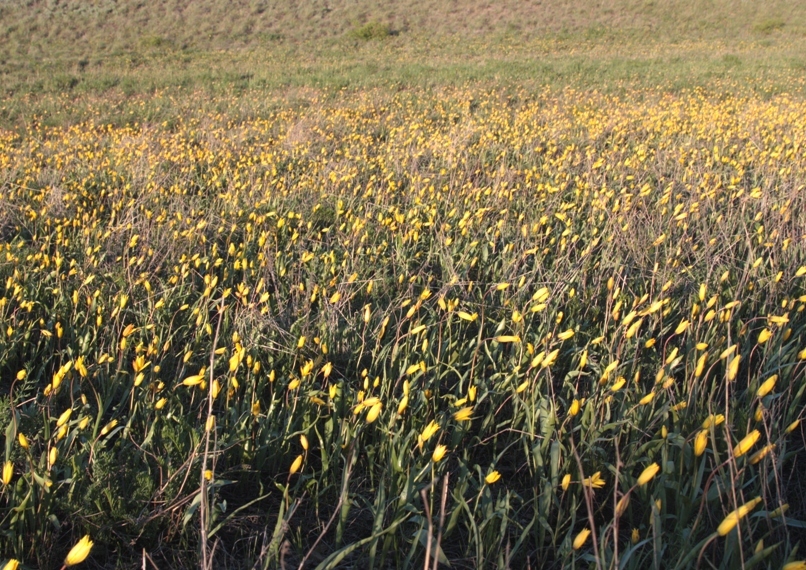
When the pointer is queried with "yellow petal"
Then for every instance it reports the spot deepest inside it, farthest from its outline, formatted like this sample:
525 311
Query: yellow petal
79 552
746 443
492 477
295 465
647 474
581 538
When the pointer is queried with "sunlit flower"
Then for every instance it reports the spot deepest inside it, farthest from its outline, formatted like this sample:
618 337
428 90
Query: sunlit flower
79 552
734 517
700 442
566 481
492 477
767 386
463 414
295 466
746 443
595 481
647 474
8 472
581 538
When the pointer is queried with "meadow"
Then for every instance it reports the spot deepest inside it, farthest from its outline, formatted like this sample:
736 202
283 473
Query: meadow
531 304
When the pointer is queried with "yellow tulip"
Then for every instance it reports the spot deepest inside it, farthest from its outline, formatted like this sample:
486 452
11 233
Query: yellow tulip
193 380
746 443
767 386
492 477
463 414
700 442
79 552
619 384
538 359
374 412
8 472
634 328
439 453
295 465
713 419
647 474
566 481
595 481
429 430
583 360
551 357
734 517
581 538
761 453
64 417
646 399
700 365
733 368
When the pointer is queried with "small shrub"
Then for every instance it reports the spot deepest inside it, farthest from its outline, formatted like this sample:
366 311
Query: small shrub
371 31
769 26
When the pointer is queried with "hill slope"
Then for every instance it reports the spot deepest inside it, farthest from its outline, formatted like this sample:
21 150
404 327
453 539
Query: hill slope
54 28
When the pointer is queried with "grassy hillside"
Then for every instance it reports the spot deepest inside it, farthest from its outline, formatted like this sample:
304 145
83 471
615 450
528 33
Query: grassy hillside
137 47
51 28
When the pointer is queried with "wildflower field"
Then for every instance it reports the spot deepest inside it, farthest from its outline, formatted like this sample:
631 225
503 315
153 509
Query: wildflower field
466 327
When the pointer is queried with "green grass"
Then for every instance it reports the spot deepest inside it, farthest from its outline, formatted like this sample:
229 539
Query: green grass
132 47
608 65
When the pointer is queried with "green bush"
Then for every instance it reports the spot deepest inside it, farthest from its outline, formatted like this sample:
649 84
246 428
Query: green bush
769 26
371 31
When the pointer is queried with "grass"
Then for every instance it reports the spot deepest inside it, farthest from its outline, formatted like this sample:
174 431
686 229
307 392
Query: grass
38 89
322 286
48 29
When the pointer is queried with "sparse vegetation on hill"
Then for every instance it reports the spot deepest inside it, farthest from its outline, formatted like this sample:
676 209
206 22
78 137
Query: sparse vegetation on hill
138 47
